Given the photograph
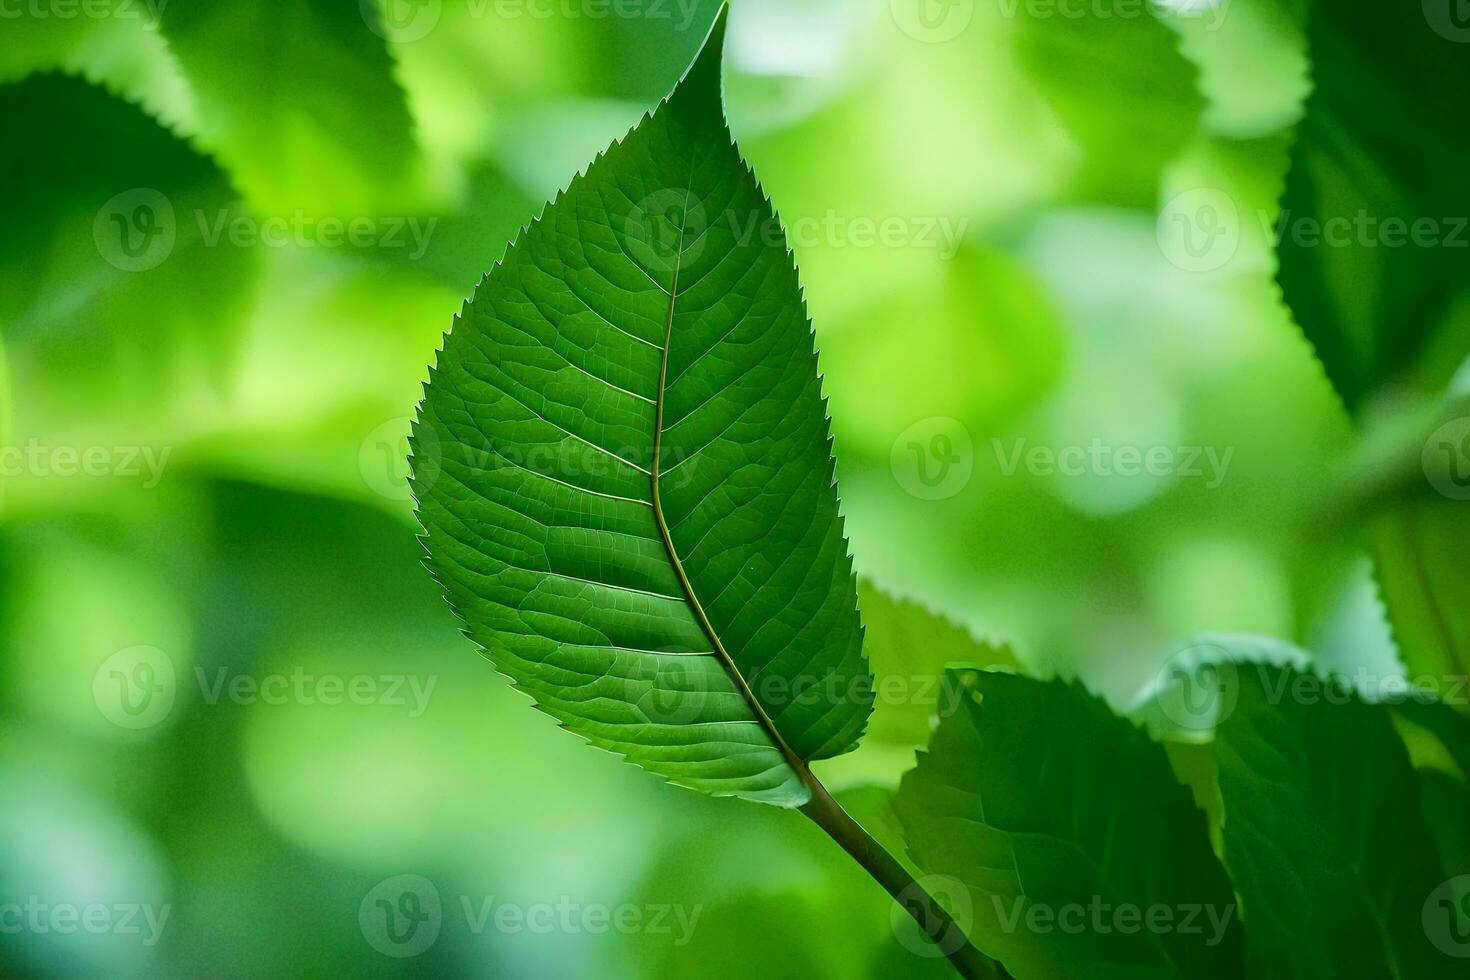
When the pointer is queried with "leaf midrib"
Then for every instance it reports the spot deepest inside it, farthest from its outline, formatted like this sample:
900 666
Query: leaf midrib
796 762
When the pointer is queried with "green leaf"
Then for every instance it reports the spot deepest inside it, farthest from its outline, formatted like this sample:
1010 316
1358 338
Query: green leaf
1244 105
1445 801
107 280
1198 684
1096 69
1419 552
1383 140
992 347
1324 838
115 43
908 647
1449 726
1046 806
300 102
624 473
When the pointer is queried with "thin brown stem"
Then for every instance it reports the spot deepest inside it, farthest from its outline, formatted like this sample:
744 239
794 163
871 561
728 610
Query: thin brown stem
932 917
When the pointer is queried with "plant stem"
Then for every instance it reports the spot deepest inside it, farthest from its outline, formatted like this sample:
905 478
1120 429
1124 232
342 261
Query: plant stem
948 937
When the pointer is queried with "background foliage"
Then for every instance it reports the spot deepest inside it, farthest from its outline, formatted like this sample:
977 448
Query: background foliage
1034 289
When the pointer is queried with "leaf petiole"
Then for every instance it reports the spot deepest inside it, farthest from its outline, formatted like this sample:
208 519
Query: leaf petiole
933 919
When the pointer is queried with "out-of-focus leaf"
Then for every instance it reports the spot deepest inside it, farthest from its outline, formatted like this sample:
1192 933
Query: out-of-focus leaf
4 412
107 282
992 347
1324 838
114 43
1194 766
908 648
1045 804
726 932
623 469
762 858
300 103
1444 795
1252 62
1099 71
1420 556
1374 248
1446 804
1450 727
474 236
541 146
1199 683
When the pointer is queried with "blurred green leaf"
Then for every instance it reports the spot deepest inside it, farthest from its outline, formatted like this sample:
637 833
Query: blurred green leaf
1098 69
542 147
107 281
1252 61
1444 794
1449 726
1198 684
992 347
726 930
1374 247
1049 807
115 43
623 469
908 647
1446 804
1420 554
474 236
300 102
1323 835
